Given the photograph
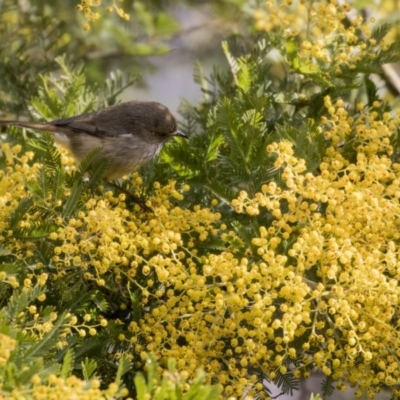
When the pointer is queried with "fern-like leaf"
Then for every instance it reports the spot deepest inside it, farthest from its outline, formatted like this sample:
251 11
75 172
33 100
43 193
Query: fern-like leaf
48 342
97 169
88 368
24 205
327 387
21 300
68 363
381 31
287 382
124 366
73 200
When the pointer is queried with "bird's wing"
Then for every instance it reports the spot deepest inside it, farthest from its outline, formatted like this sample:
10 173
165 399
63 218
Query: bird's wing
86 124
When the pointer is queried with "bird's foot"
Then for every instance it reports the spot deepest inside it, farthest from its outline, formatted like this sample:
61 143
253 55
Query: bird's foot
136 199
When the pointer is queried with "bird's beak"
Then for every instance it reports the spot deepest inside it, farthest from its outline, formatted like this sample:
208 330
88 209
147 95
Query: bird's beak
180 134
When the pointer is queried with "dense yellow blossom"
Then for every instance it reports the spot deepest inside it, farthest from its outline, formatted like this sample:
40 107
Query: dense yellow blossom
339 277
12 187
320 284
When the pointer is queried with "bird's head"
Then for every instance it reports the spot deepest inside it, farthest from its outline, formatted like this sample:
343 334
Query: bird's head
161 122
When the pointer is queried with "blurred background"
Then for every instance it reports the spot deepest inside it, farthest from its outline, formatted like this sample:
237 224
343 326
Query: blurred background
155 49
155 44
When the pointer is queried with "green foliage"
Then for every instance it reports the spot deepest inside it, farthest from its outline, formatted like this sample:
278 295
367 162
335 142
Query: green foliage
247 108
29 356
37 33
88 368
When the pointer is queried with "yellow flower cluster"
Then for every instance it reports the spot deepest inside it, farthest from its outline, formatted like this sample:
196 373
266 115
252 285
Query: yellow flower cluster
12 182
86 7
59 388
109 244
291 16
318 286
159 252
7 345
328 39
337 280
107 236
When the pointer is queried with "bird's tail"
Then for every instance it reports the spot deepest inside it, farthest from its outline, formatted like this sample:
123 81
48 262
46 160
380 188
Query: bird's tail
30 125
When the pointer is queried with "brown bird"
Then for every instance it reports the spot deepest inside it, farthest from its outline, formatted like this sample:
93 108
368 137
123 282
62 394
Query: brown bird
129 134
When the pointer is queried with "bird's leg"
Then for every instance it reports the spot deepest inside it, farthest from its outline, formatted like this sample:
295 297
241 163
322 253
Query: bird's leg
136 199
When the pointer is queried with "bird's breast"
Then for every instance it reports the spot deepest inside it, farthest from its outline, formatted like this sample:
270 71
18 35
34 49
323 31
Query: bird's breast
124 159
